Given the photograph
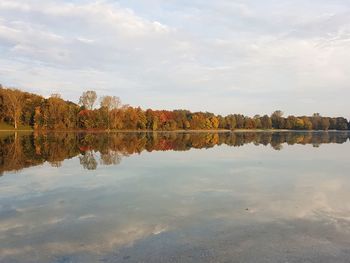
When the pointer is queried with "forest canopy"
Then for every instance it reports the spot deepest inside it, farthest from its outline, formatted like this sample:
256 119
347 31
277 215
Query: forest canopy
23 109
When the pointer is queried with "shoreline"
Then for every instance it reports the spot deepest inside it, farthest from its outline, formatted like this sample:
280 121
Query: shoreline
174 131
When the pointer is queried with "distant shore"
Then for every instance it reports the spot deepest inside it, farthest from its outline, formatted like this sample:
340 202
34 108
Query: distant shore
165 131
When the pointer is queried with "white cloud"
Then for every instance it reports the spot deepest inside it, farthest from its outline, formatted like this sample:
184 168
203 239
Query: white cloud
161 54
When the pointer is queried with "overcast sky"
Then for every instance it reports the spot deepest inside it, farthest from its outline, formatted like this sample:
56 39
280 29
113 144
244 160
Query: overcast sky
222 56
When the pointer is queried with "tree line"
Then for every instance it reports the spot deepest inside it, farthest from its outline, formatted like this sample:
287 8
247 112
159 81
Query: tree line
18 108
18 151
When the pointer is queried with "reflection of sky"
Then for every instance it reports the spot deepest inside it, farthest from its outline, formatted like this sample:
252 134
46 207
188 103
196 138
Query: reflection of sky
197 197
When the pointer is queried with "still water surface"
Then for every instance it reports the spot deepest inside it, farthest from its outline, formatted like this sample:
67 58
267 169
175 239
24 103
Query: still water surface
175 197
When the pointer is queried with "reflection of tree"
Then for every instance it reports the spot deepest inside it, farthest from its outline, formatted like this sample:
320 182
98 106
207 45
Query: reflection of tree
18 151
277 147
88 161
110 157
12 153
56 163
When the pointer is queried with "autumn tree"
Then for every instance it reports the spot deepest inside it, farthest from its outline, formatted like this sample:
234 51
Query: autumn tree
277 119
325 124
55 112
88 99
109 103
307 123
239 121
266 122
230 122
18 107
316 121
13 104
341 123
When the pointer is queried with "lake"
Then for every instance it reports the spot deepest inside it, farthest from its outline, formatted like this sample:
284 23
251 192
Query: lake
175 197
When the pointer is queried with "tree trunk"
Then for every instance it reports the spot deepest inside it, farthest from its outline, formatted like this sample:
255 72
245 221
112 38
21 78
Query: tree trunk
108 121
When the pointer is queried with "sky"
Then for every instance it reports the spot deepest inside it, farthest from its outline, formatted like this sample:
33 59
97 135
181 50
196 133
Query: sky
222 56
